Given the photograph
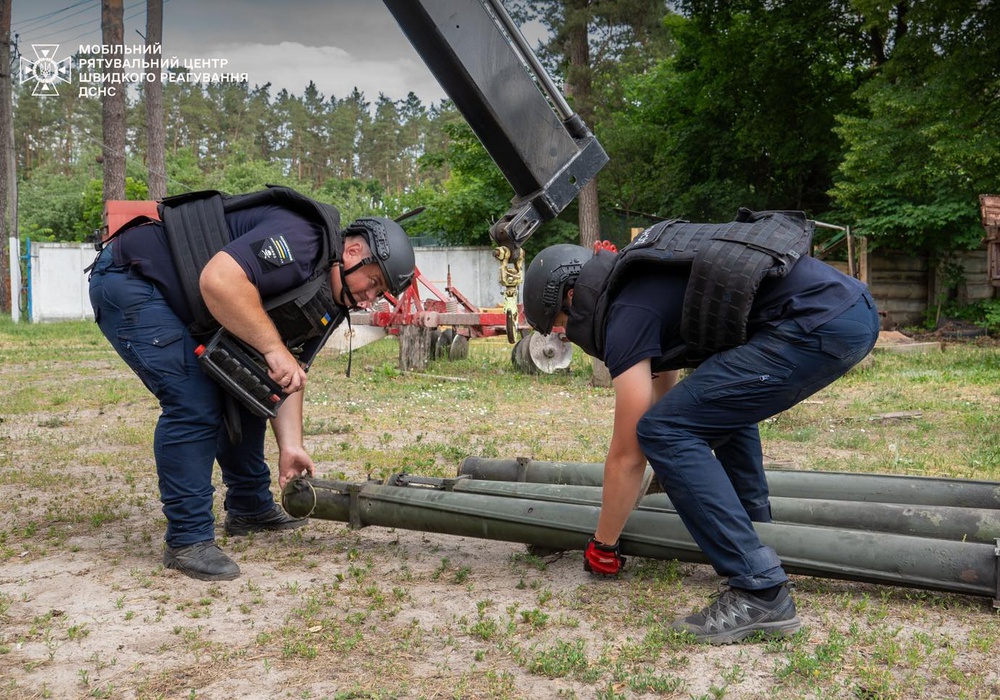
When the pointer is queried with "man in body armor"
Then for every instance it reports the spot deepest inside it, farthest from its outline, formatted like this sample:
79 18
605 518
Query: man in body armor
762 325
275 270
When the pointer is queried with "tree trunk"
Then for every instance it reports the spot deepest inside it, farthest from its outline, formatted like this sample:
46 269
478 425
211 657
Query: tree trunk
8 172
578 87
113 110
589 217
155 133
414 347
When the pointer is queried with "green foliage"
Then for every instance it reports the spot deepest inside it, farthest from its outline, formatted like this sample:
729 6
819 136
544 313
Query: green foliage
885 120
742 114
985 314
991 315
472 198
51 204
60 208
247 177
926 145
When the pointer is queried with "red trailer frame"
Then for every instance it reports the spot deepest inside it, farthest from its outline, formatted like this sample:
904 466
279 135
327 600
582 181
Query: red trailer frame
448 308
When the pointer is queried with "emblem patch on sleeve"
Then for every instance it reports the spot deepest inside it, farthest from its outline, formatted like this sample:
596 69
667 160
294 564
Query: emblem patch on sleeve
274 251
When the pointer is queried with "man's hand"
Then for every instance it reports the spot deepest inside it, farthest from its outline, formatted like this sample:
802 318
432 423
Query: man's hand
292 463
285 370
235 303
602 559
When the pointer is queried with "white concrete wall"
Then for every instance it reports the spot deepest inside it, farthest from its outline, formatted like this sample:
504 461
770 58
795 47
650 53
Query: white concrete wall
58 282
14 265
474 272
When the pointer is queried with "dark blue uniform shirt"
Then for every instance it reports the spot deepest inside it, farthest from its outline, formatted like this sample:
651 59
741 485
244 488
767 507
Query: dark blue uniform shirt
277 249
645 317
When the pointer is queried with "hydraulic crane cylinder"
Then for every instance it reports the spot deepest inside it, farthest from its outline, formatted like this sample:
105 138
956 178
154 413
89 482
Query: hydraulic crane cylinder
790 483
932 564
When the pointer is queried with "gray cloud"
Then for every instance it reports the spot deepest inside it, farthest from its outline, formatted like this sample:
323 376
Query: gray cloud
335 71
337 44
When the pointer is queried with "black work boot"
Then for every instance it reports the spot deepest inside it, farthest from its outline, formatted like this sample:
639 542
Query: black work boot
274 519
201 560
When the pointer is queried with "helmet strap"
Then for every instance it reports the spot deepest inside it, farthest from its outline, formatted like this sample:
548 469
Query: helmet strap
367 261
350 345
345 290
343 279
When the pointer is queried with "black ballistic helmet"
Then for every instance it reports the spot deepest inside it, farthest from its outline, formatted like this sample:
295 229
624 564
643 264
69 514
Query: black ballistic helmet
391 249
549 275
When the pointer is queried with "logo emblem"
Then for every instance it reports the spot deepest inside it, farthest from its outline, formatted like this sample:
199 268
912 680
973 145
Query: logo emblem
45 70
275 251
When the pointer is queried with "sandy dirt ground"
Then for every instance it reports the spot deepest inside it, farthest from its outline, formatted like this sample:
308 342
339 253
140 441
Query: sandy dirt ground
87 610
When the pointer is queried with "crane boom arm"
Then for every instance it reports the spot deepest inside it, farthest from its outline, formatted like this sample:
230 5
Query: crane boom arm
486 67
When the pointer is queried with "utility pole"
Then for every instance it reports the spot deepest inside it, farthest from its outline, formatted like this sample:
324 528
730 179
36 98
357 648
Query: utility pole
10 291
113 107
155 133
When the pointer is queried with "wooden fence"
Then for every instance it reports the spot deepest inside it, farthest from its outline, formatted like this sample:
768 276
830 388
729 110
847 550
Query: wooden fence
908 289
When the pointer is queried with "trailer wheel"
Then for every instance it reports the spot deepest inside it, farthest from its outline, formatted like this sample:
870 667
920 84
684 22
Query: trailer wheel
536 353
432 344
459 348
521 359
442 344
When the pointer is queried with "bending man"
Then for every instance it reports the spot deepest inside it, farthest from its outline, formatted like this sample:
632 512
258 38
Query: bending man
275 270
763 325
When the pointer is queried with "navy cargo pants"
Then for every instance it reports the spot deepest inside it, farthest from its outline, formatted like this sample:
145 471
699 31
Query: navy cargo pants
702 440
190 435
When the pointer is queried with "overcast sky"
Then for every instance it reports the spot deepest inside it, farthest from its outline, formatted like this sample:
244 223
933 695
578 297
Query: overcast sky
338 44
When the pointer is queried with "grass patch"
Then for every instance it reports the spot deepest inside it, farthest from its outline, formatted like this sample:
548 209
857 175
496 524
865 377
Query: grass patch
392 614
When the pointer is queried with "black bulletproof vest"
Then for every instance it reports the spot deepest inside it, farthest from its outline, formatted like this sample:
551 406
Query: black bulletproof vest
196 229
727 263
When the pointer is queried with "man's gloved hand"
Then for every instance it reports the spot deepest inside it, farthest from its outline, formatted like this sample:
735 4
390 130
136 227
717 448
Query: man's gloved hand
602 559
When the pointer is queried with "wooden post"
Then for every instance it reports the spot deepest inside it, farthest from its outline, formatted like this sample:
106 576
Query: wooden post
863 268
601 376
414 347
989 205
852 268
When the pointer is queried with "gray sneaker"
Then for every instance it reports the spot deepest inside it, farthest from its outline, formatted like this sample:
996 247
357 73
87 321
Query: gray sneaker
274 519
737 614
201 560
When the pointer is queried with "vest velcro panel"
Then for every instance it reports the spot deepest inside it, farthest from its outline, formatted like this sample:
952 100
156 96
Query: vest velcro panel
195 232
727 271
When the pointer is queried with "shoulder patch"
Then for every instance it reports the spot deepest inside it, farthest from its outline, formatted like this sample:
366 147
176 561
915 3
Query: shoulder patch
274 250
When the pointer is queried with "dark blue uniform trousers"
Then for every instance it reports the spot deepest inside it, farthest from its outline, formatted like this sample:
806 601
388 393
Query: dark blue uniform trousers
702 440
190 434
